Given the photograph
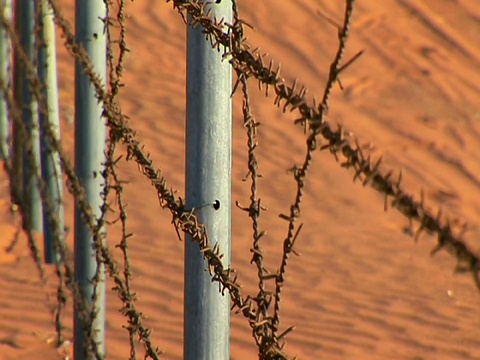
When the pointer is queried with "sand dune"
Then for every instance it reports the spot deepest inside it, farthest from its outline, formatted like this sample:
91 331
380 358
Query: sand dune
361 289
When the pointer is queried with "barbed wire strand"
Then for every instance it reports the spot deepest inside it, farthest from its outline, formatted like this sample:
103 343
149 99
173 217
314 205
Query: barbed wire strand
254 65
76 189
250 64
47 202
61 292
261 329
337 142
300 174
116 72
183 220
54 308
36 88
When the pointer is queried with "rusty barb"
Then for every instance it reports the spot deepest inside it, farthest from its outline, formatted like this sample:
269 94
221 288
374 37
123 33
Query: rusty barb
320 135
325 136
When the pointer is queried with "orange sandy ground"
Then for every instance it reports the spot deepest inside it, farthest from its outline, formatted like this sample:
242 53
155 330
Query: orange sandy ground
361 289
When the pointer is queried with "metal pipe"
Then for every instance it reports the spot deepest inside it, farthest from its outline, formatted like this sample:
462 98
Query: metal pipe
51 166
30 196
16 171
5 68
208 179
90 138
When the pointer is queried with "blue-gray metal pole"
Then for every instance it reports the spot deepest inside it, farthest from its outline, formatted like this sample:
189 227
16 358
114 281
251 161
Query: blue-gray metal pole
16 155
5 67
51 166
31 201
90 138
208 178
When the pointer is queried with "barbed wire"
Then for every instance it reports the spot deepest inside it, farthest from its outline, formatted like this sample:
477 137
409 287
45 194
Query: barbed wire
62 295
36 88
116 72
50 210
183 219
337 142
261 327
247 64
55 310
122 286
300 174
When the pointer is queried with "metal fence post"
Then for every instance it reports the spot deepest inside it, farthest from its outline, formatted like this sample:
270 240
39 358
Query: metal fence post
30 197
208 179
16 188
90 138
51 167
5 67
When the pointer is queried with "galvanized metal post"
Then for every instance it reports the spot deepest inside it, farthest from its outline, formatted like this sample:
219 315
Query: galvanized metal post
51 166
208 179
90 138
31 201
5 67
16 187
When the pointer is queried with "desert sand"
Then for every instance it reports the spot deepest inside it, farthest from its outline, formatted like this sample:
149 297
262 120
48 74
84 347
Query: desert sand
362 288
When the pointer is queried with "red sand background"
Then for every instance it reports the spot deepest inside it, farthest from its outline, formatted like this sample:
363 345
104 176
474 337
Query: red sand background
362 289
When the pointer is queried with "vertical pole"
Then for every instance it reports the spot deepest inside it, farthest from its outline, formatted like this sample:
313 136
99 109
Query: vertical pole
208 178
17 146
5 67
90 138
51 167
30 199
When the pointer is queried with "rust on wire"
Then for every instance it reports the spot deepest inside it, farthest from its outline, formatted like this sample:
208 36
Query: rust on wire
321 135
251 63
